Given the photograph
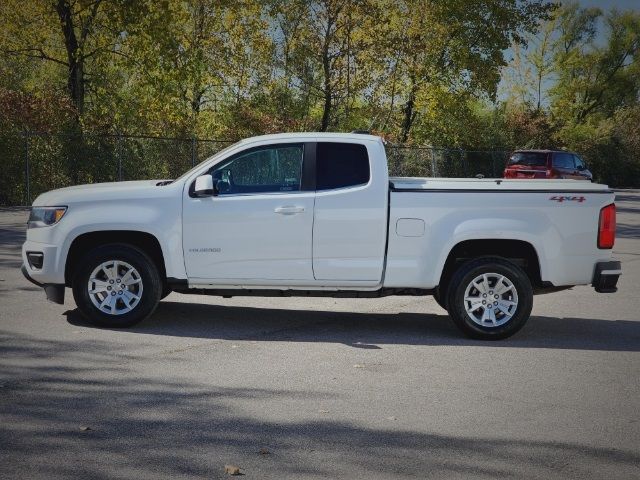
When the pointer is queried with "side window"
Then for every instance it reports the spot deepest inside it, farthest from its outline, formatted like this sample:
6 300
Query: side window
563 160
340 165
270 169
580 165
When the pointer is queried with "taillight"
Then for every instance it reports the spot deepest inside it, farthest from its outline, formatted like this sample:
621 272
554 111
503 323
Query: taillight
607 227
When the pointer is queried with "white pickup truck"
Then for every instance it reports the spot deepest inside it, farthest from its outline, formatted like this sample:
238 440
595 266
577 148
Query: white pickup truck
316 214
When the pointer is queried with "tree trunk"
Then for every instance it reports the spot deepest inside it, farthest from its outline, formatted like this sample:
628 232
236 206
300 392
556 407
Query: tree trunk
75 76
326 112
409 112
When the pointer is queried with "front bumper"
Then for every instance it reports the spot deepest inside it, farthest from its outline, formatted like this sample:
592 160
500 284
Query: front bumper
52 268
54 291
605 278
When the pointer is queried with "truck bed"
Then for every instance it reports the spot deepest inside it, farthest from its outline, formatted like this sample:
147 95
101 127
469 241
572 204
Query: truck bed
559 218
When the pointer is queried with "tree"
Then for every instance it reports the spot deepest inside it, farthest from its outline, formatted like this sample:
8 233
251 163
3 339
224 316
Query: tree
325 48
532 67
190 59
452 49
593 78
69 34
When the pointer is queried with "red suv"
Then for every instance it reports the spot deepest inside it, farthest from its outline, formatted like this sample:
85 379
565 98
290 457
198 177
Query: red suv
546 164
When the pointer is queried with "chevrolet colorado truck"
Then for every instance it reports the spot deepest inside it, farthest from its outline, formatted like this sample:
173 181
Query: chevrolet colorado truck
316 214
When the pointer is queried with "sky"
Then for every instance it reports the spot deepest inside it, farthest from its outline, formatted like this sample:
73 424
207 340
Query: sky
610 5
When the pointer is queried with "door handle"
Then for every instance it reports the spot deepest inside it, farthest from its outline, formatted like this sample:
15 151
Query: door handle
289 210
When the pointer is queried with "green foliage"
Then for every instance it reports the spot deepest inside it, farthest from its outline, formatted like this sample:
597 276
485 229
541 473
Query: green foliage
203 67
595 80
611 146
578 87
423 72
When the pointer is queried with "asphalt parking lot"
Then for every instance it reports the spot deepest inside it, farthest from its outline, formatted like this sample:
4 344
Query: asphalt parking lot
320 388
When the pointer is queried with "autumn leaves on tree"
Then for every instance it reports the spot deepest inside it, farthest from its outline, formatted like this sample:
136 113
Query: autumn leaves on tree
492 74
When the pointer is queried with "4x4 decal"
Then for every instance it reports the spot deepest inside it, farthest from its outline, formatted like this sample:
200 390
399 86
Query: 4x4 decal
561 199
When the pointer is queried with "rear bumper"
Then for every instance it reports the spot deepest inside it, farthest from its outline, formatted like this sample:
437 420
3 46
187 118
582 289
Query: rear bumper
605 278
54 291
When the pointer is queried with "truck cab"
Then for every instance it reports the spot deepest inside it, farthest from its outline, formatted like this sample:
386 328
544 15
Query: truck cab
302 198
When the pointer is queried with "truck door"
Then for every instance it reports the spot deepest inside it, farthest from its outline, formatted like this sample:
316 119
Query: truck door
259 225
350 214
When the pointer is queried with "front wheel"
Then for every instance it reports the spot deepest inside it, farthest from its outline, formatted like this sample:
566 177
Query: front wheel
490 298
116 286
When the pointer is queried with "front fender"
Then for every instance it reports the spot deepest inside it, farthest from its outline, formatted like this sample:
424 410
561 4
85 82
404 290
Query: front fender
157 217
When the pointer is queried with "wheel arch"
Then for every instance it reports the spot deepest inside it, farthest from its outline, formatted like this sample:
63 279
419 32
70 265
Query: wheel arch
520 252
144 241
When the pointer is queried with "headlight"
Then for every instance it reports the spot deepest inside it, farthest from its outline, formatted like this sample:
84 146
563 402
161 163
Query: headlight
45 216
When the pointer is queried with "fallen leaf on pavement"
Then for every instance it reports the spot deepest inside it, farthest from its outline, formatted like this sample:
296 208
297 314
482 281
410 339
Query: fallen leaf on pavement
232 470
84 429
264 451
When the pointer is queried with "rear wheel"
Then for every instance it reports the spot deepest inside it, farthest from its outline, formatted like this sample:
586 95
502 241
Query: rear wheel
116 285
166 291
490 298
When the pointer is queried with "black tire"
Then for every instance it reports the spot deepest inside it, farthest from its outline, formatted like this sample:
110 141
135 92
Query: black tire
166 291
463 278
437 296
149 279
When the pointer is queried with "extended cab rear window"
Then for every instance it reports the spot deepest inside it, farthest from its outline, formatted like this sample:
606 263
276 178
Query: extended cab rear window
532 159
340 165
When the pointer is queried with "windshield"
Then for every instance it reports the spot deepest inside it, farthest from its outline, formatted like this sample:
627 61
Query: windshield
220 153
537 159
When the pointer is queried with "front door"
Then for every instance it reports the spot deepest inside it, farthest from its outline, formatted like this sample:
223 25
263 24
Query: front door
258 226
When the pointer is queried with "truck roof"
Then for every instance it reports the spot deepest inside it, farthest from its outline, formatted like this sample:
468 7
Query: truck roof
323 135
534 150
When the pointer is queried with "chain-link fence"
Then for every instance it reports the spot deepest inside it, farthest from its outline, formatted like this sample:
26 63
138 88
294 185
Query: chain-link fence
33 163
412 161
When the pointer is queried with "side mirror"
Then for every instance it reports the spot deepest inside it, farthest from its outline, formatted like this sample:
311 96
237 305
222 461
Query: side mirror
204 186
581 167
